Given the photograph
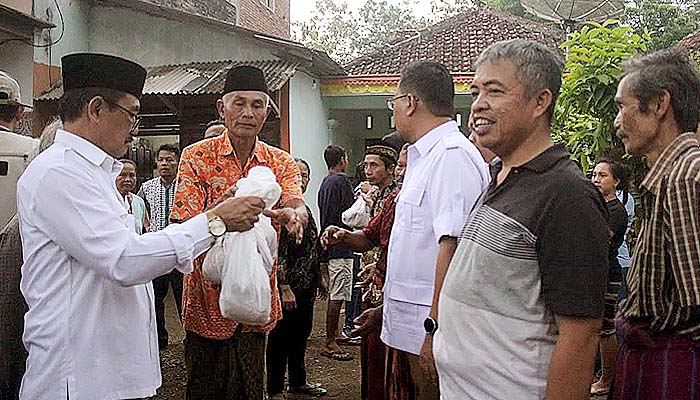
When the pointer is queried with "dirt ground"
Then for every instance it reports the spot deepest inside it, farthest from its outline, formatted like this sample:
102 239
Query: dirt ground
341 378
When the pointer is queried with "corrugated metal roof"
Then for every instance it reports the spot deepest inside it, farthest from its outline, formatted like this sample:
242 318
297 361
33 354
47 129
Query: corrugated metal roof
196 78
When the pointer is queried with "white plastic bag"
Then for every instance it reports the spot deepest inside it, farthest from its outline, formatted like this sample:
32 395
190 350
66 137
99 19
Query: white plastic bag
214 261
244 260
357 216
245 285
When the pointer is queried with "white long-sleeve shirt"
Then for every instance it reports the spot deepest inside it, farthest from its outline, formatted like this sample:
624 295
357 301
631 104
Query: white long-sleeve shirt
90 329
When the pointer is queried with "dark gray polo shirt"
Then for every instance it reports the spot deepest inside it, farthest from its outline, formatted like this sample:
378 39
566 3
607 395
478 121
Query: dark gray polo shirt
534 246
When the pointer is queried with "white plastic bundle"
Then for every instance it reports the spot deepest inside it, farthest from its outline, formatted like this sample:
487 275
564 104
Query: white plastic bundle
242 261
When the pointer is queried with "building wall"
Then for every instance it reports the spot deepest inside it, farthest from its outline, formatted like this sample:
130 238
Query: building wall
16 60
146 39
154 41
24 6
76 15
255 15
308 131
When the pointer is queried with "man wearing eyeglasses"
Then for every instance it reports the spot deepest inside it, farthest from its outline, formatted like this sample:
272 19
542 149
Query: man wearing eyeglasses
90 329
445 174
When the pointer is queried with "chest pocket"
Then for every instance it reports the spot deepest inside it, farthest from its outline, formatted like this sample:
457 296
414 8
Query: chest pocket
414 217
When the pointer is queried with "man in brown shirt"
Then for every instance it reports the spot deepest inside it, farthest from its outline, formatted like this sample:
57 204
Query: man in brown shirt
658 324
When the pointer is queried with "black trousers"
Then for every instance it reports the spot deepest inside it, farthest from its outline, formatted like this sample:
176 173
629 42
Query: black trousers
286 345
160 290
229 369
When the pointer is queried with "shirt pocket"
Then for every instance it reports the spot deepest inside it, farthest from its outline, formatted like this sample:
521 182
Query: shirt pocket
411 200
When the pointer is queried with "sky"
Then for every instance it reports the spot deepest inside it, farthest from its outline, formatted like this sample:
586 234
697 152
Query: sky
301 10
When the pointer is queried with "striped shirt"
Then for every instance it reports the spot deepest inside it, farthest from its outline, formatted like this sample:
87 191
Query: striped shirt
664 279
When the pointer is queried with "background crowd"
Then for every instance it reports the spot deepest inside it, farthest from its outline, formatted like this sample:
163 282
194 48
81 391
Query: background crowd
470 265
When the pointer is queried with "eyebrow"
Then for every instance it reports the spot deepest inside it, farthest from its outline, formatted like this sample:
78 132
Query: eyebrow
488 83
239 97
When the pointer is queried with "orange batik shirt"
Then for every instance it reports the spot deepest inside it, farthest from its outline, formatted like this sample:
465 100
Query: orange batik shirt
206 170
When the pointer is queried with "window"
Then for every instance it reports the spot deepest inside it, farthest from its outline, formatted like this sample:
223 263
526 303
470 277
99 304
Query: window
269 4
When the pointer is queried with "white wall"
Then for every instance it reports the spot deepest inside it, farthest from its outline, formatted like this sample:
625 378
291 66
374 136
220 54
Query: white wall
146 39
308 131
16 60
152 41
76 15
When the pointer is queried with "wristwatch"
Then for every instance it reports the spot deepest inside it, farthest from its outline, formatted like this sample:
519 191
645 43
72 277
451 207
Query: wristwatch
217 227
430 325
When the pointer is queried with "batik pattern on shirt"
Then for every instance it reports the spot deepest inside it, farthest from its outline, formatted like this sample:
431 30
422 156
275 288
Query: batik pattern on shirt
207 169
160 199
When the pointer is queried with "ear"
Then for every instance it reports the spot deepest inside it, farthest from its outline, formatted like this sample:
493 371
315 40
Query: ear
220 108
663 104
94 107
18 114
412 106
543 100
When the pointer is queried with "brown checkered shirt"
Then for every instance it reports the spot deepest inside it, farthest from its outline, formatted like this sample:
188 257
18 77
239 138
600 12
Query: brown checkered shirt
664 279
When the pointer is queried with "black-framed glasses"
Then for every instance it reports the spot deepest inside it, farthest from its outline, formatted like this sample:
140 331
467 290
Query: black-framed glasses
137 119
390 102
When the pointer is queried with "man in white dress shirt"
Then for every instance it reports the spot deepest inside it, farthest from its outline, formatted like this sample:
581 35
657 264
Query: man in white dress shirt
445 174
90 329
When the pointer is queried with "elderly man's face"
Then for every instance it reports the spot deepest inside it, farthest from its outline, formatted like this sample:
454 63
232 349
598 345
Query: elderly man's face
116 121
244 112
126 180
375 170
637 130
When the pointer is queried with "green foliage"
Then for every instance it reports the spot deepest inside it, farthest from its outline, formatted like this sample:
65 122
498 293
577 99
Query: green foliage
345 34
586 107
666 21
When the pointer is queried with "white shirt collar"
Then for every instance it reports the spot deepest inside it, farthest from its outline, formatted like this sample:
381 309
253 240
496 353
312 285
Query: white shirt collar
88 150
426 143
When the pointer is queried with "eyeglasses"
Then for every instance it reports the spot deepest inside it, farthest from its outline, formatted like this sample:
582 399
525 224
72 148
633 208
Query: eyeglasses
134 116
390 102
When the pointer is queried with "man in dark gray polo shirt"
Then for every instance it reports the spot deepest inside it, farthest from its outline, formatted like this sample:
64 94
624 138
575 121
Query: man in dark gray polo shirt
522 301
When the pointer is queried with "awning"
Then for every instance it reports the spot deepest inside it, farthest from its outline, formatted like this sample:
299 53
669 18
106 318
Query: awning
196 78
19 23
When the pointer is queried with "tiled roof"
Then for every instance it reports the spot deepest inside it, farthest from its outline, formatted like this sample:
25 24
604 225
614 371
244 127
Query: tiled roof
196 78
455 42
691 42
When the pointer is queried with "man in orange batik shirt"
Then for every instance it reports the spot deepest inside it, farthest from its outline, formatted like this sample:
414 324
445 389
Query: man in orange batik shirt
226 360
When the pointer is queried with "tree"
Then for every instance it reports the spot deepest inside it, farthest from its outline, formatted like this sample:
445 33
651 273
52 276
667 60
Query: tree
331 28
344 34
667 21
586 107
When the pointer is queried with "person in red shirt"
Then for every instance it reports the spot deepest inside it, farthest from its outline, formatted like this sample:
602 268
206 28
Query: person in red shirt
377 233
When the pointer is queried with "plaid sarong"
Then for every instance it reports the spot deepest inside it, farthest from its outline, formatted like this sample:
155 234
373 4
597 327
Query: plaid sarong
655 367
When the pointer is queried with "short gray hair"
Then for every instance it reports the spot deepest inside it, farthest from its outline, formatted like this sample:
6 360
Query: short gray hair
537 67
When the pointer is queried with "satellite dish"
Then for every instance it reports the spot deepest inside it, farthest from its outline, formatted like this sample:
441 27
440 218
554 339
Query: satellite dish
570 12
